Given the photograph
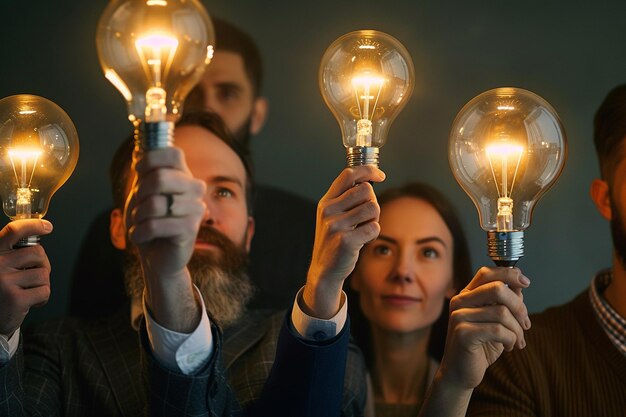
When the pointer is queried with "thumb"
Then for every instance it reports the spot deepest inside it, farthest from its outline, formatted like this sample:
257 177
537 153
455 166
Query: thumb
19 229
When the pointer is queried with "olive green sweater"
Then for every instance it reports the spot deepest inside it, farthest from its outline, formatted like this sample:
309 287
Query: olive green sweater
568 368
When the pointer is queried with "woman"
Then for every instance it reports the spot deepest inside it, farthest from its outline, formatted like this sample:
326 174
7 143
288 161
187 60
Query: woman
403 280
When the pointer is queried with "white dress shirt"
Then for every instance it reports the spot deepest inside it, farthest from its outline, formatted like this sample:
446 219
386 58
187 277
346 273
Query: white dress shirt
188 352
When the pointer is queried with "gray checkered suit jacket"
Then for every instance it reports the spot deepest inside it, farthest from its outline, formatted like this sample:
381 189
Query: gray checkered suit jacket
98 368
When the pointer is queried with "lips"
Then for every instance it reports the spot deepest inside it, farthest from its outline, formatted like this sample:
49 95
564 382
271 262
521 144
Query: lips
400 299
201 244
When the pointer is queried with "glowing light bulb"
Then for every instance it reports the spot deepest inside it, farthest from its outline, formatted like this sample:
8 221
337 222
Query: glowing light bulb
38 153
507 147
154 52
366 78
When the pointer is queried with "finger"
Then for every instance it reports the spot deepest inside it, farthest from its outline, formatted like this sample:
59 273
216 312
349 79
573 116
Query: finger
19 229
156 206
513 277
24 258
171 157
491 314
477 334
37 296
168 181
368 211
19 300
176 228
353 197
363 234
349 177
493 293
28 278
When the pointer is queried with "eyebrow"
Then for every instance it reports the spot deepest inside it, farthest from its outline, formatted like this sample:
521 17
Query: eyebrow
418 241
229 84
225 178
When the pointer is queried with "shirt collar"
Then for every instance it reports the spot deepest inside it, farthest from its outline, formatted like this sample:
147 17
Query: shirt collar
613 324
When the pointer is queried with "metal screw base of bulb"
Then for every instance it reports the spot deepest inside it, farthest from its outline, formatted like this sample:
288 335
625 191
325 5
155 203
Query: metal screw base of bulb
362 155
156 135
27 241
505 248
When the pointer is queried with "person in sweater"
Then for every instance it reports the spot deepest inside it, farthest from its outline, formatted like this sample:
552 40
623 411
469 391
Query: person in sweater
575 361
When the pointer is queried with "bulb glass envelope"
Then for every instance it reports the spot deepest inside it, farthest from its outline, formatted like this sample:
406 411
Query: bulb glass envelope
38 152
366 77
154 52
507 147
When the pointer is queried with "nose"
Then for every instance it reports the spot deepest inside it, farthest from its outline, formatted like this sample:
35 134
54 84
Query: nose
405 269
209 218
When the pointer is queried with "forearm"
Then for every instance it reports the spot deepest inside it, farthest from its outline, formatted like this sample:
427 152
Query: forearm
445 400
173 302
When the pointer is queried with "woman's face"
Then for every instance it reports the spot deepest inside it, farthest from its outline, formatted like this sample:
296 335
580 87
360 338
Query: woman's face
405 274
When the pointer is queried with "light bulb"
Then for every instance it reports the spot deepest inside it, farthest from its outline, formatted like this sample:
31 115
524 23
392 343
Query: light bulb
154 52
38 153
366 77
507 147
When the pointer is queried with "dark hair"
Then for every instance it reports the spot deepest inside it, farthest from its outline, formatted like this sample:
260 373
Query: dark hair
462 267
229 37
119 170
610 131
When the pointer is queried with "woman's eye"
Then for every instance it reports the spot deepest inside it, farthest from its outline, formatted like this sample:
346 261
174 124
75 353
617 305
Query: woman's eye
382 250
430 253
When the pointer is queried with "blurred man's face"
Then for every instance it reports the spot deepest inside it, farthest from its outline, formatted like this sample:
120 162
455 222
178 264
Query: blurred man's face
226 90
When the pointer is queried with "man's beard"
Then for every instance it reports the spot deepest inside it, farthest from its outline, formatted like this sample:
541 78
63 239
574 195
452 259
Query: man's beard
221 276
242 134
618 232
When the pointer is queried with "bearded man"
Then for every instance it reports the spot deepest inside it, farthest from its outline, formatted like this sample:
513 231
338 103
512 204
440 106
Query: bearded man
183 219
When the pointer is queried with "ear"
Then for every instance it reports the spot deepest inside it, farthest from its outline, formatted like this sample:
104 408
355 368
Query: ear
249 233
117 229
601 197
451 291
260 108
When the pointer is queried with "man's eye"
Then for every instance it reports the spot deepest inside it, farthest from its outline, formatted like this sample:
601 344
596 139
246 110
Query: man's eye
228 94
224 192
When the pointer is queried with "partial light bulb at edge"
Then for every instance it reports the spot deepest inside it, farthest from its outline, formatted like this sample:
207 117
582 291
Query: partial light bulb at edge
38 153
366 77
507 148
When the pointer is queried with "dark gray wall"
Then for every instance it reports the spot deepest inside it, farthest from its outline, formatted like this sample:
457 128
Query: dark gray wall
570 54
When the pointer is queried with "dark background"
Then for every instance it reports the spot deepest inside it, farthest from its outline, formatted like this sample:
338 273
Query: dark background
569 53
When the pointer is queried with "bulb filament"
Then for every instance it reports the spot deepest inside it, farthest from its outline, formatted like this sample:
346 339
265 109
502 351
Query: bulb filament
502 157
367 89
24 163
155 50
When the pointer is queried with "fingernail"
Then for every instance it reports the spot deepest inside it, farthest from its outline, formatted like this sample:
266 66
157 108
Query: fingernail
524 280
527 323
47 226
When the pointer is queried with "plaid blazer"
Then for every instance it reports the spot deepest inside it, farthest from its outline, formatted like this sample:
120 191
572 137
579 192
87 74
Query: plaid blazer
98 368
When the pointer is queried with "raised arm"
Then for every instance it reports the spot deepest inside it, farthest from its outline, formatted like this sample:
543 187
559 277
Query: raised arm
486 318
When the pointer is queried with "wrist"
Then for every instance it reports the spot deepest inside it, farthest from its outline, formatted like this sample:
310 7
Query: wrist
321 299
173 302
